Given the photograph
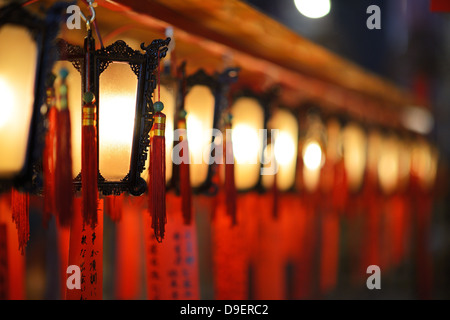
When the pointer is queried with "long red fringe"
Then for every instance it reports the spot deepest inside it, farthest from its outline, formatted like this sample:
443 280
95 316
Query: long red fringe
49 159
20 215
89 165
63 172
157 176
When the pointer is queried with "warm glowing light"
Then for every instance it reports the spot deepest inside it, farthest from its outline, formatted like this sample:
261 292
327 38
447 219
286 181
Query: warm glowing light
199 105
313 8
424 163
18 54
245 144
312 155
117 108
168 97
388 165
248 119
195 137
6 107
110 132
284 148
355 155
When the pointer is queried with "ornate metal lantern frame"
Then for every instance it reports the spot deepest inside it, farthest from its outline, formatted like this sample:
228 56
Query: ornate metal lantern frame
43 31
90 63
219 84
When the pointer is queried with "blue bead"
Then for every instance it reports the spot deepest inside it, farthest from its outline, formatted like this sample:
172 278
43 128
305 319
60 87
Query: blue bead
63 73
158 106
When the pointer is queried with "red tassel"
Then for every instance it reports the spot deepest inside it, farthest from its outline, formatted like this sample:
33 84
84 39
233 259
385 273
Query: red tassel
20 215
185 184
275 193
49 155
63 170
12 263
230 186
157 173
89 164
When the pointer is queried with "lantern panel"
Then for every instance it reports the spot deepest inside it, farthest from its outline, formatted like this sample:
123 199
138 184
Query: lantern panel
248 119
18 56
117 90
388 165
424 163
199 105
313 160
285 149
355 155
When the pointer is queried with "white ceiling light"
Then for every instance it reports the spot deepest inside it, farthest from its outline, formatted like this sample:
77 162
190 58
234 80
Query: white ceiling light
313 8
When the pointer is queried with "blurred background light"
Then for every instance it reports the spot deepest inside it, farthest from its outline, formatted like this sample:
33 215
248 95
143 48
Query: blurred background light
313 9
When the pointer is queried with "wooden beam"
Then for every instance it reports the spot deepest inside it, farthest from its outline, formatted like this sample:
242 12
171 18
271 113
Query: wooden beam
267 52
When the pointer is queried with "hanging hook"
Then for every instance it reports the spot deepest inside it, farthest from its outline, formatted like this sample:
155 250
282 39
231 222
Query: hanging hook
91 19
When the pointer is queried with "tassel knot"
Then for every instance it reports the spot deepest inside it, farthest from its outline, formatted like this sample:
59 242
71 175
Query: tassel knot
157 172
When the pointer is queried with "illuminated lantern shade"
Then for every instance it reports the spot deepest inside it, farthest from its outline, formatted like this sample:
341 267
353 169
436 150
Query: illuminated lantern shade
313 152
388 164
199 103
204 99
26 57
248 120
355 155
285 149
122 81
424 163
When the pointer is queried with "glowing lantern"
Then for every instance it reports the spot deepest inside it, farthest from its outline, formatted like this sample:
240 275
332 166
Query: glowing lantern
285 149
199 103
424 162
122 85
355 155
388 164
25 60
248 120
313 154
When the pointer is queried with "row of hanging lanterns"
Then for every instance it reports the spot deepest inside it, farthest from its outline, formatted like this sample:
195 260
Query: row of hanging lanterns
123 80
116 139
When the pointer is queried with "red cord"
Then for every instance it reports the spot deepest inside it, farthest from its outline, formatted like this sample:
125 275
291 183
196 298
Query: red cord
159 77
29 2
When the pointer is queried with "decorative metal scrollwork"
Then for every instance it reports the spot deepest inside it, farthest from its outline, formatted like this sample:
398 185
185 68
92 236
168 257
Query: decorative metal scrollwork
143 64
